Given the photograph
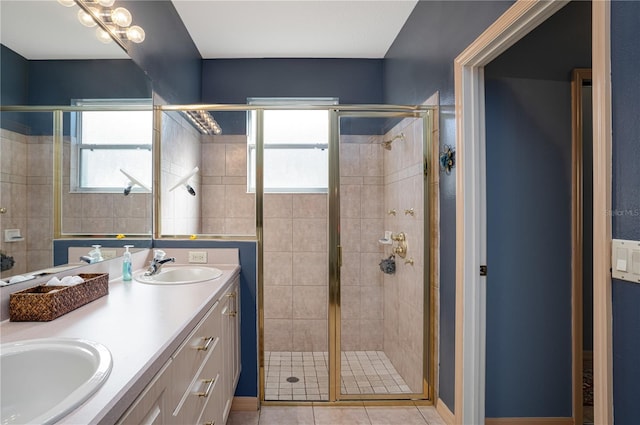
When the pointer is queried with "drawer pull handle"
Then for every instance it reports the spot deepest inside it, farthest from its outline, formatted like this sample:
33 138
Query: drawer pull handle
206 392
207 343
232 313
209 423
231 295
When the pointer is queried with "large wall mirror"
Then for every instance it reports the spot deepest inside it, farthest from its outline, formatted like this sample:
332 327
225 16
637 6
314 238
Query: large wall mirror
96 181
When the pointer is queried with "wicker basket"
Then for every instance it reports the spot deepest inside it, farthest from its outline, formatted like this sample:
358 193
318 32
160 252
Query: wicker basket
44 303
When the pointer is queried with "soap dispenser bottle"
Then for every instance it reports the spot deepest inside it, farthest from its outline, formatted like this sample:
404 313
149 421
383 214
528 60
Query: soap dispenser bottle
96 254
126 264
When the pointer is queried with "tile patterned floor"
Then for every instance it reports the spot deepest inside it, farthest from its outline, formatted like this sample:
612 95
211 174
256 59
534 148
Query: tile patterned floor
363 372
337 415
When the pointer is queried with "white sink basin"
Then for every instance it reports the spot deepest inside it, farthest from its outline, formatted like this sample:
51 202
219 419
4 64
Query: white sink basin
180 275
42 380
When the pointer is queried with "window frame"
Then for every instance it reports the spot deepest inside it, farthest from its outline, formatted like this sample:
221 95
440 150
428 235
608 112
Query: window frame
251 141
77 145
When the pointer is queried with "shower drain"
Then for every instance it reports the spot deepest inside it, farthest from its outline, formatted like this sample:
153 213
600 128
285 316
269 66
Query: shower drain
292 379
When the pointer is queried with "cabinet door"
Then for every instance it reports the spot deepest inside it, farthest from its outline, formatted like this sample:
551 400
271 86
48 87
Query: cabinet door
150 408
231 317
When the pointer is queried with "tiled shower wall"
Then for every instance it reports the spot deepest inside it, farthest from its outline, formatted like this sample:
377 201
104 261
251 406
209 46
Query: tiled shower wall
98 213
362 224
181 152
26 176
295 263
404 322
227 208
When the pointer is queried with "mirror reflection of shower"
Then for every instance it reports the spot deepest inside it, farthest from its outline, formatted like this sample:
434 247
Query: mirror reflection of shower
184 181
387 143
132 182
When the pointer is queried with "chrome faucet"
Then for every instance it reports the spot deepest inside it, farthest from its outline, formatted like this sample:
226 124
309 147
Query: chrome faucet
157 262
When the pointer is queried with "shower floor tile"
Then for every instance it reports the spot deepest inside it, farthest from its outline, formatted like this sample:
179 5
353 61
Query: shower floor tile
305 375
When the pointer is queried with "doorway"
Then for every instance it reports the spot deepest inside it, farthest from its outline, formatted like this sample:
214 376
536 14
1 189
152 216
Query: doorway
346 279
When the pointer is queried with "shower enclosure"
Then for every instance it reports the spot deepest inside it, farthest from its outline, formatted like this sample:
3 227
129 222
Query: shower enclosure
335 325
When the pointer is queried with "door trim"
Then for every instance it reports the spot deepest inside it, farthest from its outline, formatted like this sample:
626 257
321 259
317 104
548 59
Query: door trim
515 23
577 239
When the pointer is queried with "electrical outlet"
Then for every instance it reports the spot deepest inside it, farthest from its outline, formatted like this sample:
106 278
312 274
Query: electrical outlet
108 254
198 257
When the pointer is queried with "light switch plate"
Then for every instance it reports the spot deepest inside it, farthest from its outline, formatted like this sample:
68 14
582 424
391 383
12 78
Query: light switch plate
625 260
108 254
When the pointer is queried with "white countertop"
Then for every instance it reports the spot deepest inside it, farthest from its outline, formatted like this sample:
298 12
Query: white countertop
142 325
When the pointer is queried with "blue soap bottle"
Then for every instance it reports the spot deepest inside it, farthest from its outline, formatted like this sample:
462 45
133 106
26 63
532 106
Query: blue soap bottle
126 264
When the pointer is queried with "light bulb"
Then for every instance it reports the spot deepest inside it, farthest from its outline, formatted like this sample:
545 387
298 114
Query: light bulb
103 35
135 34
106 3
86 19
121 17
67 3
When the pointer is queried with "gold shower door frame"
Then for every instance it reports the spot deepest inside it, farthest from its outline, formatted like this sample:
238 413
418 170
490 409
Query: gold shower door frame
335 257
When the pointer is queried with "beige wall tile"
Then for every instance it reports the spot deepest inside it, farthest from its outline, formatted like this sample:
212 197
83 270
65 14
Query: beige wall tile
277 302
213 201
236 160
310 206
350 160
350 234
350 302
372 302
373 201
310 302
350 201
278 205
278 268
278 234
212 226
350 335
372 335
239 203
240 226
350 271
310 335
310 234
278 334
310 268
213 159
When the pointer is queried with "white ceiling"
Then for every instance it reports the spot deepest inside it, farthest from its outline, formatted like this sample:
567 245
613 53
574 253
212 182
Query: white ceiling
301 28
43 29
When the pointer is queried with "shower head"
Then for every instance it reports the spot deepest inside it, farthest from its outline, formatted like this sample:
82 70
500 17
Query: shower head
387 143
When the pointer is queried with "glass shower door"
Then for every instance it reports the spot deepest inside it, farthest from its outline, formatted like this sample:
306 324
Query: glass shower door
381 320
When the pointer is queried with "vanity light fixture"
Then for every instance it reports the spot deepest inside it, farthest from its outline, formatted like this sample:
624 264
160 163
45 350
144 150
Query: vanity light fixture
184 182
204 122
132 182
113 23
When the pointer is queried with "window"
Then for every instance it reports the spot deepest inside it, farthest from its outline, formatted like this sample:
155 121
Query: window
295 147
107 142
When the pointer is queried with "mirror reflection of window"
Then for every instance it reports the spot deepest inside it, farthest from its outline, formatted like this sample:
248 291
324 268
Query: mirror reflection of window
108 141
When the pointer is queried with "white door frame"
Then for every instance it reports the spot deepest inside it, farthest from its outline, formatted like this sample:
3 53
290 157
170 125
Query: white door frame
470 339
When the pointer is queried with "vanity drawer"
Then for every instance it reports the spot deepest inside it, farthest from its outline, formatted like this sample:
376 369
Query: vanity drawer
188 359
202 390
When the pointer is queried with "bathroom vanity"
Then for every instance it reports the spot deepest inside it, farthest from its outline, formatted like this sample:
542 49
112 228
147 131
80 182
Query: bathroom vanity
175 349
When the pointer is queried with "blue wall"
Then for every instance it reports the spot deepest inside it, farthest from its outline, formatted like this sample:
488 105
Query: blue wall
419 63
232 81
57 82
14 88
168 54
248 383
625 63
528 101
